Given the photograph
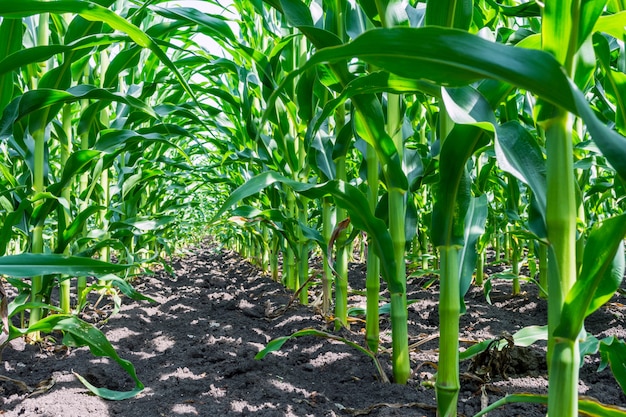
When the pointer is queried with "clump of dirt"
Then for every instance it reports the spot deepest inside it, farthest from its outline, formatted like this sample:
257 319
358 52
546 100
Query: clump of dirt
195 351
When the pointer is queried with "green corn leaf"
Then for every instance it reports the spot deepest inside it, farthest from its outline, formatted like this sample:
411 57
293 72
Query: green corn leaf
466 107
474 350
590 12
454 58
590 346
78 333
76 227
29 264
15 308
114 141
11 220
125 287
127 58
475 220
519 155
376 82
35 100
615 81
37 54
142 225
558 35
613 352
139 179
368 106
278 343
96 13
346 196
384 309
601 274
612 24
286 226
586 405
216 26
321 152
453 188
297 13
11 32
529 335
527 9
449 13
523 338
77 163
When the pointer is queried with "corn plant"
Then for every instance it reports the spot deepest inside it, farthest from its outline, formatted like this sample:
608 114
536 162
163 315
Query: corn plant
93 153
454 59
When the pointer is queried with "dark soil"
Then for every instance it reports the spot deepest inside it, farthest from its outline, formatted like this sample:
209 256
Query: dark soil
194 350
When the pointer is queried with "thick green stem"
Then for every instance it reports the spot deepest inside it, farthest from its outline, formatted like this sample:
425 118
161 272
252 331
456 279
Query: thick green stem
560 37
561 224
341 260
563 375
327 230
448 384
372 280
274 257
303 245
561 216
543 270
265 251
38 186
480 268
516 248
289 276
497 247
397 214
66 149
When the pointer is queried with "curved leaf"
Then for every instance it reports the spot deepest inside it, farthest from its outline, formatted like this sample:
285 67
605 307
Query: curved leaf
346 196
601 275
278 343
79 333
93 12
35 100
30 264
613 351
586 405
475 221
452 57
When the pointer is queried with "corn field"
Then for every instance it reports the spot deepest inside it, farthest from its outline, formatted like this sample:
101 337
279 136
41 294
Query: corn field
426 138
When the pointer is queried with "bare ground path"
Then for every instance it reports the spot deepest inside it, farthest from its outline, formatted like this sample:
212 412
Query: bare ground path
194 350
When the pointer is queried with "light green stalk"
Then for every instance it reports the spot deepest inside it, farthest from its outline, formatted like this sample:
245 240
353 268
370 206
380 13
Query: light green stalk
516 248
105 253
372 280
341 254
81 281
38 183
289 273
303 261
559 35
265 253
397 215
341 259
66 149
448 383
480 268
274 256
327 230
563 355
